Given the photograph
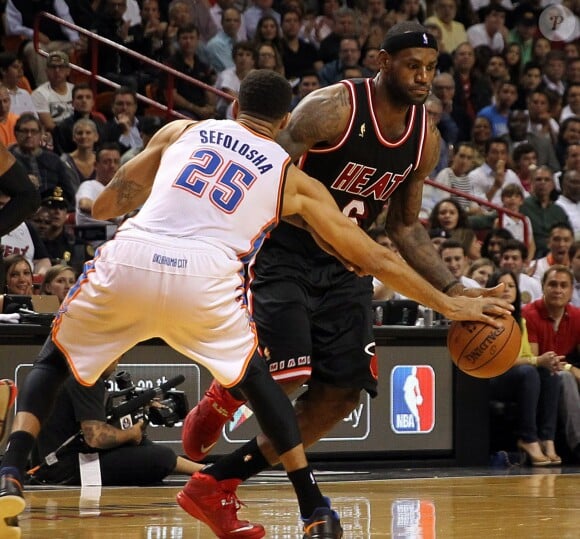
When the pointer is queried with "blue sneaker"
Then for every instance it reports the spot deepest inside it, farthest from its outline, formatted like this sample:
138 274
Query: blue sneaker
323 524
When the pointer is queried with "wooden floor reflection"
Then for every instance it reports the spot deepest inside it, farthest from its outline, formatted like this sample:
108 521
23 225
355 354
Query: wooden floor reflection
544 504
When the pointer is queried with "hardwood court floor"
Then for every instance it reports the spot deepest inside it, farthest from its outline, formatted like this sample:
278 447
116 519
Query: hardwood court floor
530 504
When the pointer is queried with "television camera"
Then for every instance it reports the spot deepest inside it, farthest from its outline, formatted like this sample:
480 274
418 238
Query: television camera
159 406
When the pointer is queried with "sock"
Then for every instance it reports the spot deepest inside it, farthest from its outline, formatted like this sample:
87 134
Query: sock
307 491
19 446
242 464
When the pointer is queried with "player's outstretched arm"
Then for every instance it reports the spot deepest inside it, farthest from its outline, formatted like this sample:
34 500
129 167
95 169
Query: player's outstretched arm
311 200
132 183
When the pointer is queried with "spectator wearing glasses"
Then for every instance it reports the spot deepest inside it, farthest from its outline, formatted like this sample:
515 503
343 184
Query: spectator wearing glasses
44 168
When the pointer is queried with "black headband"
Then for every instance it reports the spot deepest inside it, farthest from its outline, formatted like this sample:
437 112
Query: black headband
409 40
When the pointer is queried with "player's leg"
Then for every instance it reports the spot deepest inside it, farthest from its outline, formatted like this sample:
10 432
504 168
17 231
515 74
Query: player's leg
283 319
276 418
37 395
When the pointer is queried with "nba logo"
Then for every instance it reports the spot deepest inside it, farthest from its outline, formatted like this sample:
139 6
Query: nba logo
413 518
412 399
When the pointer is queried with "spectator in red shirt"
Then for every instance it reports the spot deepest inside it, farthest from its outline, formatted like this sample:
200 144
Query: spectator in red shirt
554 325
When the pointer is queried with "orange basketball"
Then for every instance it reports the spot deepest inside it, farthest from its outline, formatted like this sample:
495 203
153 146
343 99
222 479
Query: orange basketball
483 351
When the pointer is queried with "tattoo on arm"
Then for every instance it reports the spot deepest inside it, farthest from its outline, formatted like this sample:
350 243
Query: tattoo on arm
101 435
126 189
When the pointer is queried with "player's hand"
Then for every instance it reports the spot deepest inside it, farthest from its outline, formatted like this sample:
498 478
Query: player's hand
479 309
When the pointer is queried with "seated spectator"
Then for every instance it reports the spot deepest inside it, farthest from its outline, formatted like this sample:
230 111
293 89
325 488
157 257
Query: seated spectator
370 60
309 82
574 256
524 30
560 239
190 99
18 275
489 32
216 11
512 198
81 161
554 69
220 47
569 199
493 243
494 67
19 21
270 58
125 456
471 244
525 163
571 162
480 271
554 326
434 110
321 25
123 127
148 126
513 60
497 113
381 291
488 180
254 13
530 81
572 100
443 87
518 134
7 119
448 215
480 136
57 281
58 238
53 99
44 167
345 25
530 382
568 135
541 121
453 32
11 73
298 55
229 80
268 31
25 241
540 208
83 103
108 161
348 56
515 258
454 176
454 256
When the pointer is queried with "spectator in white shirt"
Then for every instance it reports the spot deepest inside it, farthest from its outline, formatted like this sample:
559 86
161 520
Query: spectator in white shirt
488 180
514 254
457 262
11 71
489 32
572 98
569 200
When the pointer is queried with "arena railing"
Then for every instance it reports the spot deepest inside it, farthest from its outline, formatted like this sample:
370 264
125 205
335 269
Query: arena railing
94 41
483 202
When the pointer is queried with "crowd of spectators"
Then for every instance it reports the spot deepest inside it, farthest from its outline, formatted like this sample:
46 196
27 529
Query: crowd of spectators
506 100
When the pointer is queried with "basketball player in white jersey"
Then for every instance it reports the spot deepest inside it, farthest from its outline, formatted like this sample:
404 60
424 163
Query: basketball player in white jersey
210 191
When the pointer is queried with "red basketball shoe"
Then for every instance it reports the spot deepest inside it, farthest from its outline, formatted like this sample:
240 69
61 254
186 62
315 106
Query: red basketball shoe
215 503
204 423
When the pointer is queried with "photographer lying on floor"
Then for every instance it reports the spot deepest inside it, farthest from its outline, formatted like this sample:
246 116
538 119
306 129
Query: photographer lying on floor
126 457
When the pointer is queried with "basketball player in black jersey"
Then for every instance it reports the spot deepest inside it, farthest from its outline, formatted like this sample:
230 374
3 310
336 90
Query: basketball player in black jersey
370 143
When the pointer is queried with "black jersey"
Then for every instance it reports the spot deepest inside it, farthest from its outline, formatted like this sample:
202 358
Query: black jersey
362 170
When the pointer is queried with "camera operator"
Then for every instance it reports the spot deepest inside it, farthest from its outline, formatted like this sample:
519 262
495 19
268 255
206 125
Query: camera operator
126 457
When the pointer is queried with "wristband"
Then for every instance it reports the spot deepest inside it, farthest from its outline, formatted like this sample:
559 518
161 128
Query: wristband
534 361
568 367
449 286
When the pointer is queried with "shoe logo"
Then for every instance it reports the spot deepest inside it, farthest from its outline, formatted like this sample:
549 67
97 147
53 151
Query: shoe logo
220 410
362 131
207 449
310 526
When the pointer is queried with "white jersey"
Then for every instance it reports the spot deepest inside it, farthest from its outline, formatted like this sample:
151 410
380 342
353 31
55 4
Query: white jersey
232 182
